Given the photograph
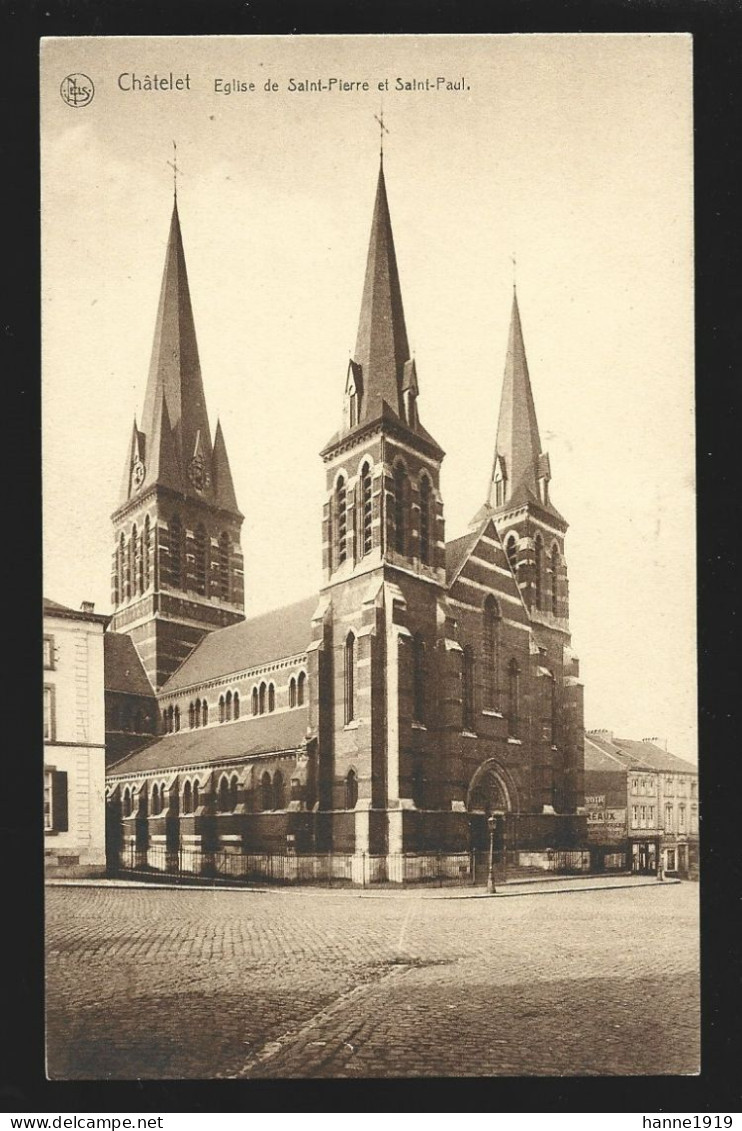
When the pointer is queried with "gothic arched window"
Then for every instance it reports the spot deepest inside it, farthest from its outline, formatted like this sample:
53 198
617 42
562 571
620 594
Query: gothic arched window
121 567
261 699
341 521
425 520
222 709
279 794
400 509
202 560
175 537
554 582
195 796
164 721
134 561
118 586
191 716
223 796
128 580
197 713
513 699
351 790
155 800
146 553
418 679
350 678
224 566
301 689
176 718
271 697
538 553
491 649
266 792
187 798
292 692
366 510
254 700
170 719
204 713
467 690
228 707
236 705
233 786
126 803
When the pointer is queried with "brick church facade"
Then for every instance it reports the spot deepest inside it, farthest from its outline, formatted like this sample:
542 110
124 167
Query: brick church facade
426 685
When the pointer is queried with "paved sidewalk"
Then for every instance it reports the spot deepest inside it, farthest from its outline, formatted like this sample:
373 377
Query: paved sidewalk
552 885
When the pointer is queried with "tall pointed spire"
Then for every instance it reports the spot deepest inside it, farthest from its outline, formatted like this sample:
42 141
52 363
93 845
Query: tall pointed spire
175 370
518 442
382 348
520 471
223 486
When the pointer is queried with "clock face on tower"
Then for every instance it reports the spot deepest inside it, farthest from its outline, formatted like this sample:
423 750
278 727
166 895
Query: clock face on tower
138 473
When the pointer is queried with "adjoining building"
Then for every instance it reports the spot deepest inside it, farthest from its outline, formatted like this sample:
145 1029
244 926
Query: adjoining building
642 806
74 741
426 685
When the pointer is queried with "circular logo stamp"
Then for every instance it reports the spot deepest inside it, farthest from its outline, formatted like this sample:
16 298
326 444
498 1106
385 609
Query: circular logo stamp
77 90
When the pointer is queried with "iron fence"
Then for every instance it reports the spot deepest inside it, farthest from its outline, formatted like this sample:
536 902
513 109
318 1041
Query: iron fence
337 869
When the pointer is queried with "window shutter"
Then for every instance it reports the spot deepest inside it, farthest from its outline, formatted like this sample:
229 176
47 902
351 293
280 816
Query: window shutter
60 820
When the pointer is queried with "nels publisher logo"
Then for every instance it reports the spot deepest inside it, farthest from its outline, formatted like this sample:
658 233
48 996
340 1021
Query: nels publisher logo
77 90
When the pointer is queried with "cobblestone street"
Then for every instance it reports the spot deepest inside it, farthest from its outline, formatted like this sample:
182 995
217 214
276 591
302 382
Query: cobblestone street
165 984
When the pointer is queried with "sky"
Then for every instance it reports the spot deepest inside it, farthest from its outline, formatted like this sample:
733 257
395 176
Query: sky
572 153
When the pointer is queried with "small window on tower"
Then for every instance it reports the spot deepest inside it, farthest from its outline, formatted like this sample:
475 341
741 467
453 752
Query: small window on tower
425 520
554 580
538 550
400 509
350 678
224 566
341 521
175 532
146 553
202 560
367 508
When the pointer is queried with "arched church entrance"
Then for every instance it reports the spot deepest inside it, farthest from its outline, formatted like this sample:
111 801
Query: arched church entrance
488 793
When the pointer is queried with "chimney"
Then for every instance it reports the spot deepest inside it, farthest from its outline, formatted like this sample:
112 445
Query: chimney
87 607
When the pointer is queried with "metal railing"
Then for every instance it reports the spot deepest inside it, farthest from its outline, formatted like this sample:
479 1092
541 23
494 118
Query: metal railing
336 869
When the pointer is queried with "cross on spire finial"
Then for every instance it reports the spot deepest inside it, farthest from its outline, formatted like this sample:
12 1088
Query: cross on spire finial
512 260
174 166
382 130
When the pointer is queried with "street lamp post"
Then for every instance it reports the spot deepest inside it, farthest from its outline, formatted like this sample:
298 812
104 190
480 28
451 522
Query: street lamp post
492 824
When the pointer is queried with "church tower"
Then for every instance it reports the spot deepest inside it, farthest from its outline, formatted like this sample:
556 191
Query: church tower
177 563
383 563
532 533
518 493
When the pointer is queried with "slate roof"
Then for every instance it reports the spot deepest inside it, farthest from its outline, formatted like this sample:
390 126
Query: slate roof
457 552
260 640
634 755
123 669
283 730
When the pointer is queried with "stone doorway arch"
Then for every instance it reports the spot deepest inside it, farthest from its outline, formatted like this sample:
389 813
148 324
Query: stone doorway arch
489 791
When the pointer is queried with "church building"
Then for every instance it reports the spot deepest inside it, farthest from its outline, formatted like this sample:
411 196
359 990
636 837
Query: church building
425 686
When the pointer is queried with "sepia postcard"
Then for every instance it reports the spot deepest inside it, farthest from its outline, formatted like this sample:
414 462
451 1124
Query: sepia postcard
369 557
